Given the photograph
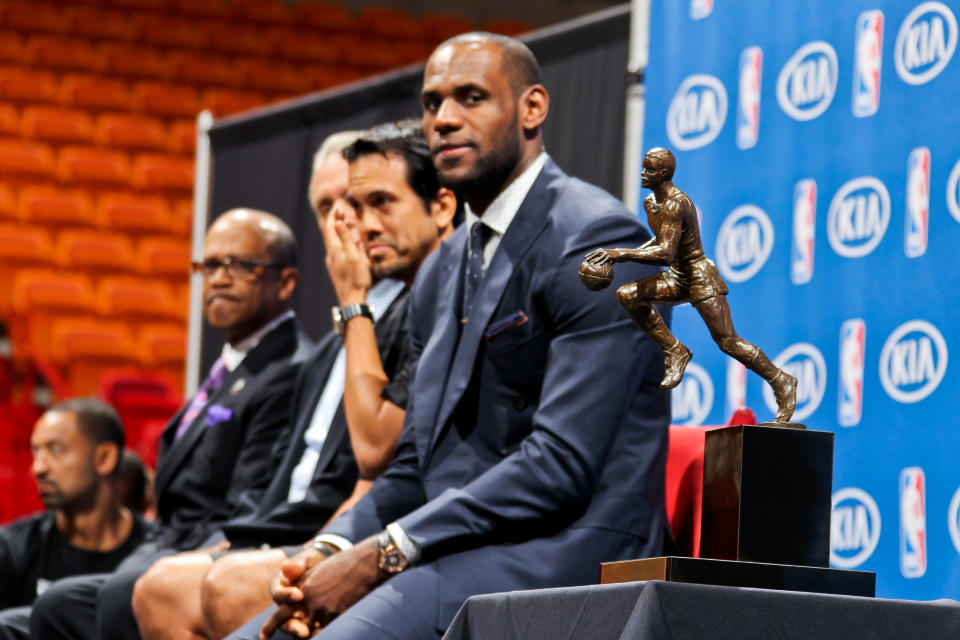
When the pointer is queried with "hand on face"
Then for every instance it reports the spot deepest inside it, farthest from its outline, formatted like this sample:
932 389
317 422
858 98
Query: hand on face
346 261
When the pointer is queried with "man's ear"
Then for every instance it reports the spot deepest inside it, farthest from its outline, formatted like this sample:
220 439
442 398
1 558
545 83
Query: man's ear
443 208
288 282
533 107
106 458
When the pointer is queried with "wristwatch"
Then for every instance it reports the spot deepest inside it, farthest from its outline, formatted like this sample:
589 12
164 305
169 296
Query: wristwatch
343 315
391 560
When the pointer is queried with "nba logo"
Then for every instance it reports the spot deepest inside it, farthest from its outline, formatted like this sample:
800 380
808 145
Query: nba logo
868 55
736 386
748 100
804 217
700 9
918 203
853 334
913 523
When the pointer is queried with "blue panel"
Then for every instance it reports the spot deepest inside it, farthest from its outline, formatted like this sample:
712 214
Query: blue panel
820 141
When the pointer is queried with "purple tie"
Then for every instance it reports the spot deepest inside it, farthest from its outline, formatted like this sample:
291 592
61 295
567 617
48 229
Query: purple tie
217 373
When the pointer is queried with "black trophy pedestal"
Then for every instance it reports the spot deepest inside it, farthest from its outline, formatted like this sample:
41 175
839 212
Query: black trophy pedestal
767 495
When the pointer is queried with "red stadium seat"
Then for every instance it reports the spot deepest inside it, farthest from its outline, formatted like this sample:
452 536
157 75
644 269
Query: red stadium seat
20 247
98 23
87 348
11 48
262 13
390 22
374 55
223 102
204 69
182 218
156 5
26 159
182 138
132 213
94 92
93 166
437 27
300 46
94 251
134 299
238 39
270 76
163 345
58 53
38 298
142 399
324 16
162 172
9 120
56 124
218 9
164 257
164 31
52 206
507 26
30 17
130 131
135 62
27 85
8 203
165 99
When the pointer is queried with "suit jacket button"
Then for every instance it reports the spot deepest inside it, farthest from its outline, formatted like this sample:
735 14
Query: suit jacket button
519 403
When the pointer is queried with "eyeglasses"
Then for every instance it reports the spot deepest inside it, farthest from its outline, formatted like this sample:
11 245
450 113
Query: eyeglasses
235 267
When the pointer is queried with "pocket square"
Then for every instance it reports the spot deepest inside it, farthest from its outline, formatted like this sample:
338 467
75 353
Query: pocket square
506 323
217 413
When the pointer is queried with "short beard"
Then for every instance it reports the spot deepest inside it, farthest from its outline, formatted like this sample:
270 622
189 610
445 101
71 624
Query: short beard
490 172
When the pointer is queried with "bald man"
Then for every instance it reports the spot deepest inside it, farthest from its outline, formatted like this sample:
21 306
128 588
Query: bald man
218 453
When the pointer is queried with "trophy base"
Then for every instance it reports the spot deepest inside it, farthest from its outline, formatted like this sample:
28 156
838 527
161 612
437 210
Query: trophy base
733 573
783 425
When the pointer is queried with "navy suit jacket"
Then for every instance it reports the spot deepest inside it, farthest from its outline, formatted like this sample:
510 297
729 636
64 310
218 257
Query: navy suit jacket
222 463
534 445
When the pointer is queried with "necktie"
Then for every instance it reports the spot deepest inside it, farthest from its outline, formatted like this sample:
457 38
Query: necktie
479 233
217 373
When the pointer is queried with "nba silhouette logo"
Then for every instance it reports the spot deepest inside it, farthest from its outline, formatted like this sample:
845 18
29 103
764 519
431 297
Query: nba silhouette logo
804 217
868 55
700 9
748 99
913 523
736 386
853 335
918 203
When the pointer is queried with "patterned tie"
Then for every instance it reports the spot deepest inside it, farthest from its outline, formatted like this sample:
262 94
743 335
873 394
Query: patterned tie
479 233
217 373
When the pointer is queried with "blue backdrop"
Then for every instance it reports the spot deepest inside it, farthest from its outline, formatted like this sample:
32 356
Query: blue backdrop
820 141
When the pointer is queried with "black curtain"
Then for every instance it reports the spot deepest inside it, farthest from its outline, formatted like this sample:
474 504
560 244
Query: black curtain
262 160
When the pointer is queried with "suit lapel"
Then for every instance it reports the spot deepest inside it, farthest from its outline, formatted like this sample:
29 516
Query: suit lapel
523 230
279 343
432 374
315 386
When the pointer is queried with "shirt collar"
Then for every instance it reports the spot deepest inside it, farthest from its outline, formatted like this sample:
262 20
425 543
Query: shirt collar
234 355
501 212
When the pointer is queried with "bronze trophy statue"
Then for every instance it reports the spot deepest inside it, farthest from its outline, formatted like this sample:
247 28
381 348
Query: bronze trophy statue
689 277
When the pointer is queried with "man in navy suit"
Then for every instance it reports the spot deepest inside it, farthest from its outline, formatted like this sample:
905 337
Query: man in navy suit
535 436
215 457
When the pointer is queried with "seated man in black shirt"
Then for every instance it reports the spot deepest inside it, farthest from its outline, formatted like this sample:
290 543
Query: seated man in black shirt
77 448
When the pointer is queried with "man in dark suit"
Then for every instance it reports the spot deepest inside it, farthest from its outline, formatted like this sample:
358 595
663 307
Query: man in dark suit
215 455
535 437
389 167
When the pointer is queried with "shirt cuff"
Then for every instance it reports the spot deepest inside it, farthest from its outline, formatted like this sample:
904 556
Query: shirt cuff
331 538
409 549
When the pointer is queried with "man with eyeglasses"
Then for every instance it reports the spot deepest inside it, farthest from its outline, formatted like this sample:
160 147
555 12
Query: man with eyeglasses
218 454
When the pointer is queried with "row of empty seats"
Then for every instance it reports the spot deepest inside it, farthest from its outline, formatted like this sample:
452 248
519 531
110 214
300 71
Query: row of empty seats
56 124
96 94
52 208
174 23
95 167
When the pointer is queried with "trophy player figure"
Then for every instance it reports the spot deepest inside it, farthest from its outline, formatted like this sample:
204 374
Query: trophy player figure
690 277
